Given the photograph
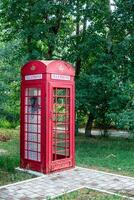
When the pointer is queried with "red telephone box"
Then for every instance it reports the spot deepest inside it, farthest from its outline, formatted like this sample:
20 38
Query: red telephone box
47 116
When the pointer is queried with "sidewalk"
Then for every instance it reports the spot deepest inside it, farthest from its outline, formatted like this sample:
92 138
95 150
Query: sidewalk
49 186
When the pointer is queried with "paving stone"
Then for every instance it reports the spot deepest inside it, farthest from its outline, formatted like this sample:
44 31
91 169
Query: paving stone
58 183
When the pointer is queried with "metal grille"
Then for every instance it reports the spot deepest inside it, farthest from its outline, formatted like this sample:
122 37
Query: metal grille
33 124
61 125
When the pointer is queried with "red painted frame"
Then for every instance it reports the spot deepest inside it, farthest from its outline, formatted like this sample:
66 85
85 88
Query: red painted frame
46 84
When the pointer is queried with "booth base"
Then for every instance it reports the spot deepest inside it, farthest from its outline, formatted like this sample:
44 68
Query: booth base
29 171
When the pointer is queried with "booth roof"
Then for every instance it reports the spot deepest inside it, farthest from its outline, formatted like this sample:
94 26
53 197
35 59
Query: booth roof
52 66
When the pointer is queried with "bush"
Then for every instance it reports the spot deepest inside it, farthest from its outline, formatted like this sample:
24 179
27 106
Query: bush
4 123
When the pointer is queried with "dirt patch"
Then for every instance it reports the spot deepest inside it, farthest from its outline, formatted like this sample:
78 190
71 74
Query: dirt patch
4 138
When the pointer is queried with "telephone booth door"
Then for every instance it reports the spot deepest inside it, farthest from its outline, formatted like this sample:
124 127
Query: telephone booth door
33 123
61 126
31 140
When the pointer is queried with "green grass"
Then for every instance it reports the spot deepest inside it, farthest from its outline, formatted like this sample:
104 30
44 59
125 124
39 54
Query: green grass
10 160
85 194
108 154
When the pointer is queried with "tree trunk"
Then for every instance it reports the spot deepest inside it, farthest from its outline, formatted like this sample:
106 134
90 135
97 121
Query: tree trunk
29 47
78 67
105 127
105 133
89 125
78 59
76 124
109 36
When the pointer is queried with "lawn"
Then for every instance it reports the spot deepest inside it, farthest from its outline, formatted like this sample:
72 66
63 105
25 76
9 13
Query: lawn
108 154
10 160
86 194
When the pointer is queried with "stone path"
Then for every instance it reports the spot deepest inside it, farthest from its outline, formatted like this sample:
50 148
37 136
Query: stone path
50 186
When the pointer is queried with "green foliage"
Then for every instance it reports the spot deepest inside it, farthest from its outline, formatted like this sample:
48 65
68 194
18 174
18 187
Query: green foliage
9 83
87 33
4 123
41 25
105 87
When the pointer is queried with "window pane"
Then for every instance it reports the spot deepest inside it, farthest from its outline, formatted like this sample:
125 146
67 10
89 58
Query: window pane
32 123
32 91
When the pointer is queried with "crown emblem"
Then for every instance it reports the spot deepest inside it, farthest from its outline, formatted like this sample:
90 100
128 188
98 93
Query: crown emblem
33 68
61 68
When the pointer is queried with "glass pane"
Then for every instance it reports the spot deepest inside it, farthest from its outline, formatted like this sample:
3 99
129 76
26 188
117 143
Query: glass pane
33 119
32 91
61 100
39 128
39 101
38 147
61 92
61 125
32 123
32 155
26 100
32 146
32 137
32 128
39 157
39 138
60 118
59 109
39 119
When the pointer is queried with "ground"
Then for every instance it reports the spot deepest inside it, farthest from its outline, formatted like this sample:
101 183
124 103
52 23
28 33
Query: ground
108 154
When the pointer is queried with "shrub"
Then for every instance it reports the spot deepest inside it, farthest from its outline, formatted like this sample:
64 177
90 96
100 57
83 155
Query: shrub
4 123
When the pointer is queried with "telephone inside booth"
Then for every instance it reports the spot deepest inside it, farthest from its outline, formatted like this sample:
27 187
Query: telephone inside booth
34 104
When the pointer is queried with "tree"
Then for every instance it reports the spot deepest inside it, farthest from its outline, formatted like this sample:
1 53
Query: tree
29 30
9 82
98 41
107 68
39 25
